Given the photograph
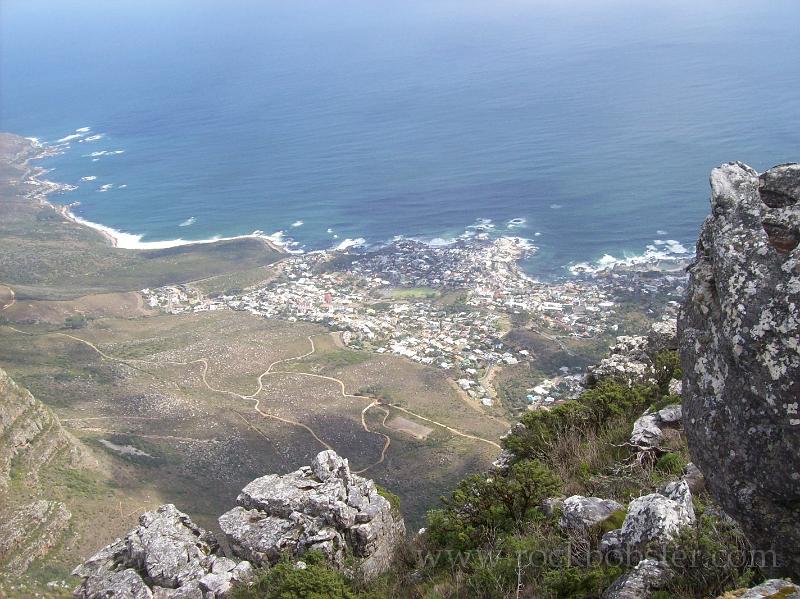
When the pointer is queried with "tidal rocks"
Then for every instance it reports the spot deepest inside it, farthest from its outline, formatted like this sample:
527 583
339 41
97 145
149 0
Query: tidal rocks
319 507
740 352
167 555
581 513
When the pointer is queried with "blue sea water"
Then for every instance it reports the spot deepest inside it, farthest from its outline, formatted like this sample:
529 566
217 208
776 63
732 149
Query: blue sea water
595 121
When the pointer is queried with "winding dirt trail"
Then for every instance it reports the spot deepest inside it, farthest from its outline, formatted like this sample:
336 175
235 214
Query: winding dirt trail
253 397
13 298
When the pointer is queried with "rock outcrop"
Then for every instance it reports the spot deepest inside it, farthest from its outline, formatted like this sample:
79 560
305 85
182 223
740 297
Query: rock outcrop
774 588
30 434
632 358
29 532
651 429
651 519
581 513
740 352
323 507
640 581
166 556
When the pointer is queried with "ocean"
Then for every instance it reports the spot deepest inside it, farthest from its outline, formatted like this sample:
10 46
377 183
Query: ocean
588 127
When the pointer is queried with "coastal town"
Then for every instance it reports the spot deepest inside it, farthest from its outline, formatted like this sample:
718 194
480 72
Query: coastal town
446 306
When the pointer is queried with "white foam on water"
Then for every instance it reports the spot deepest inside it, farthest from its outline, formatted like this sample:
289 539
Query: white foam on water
83 130
104 188
297 223
92 138
351 243
69 138
123 186
188 222
556 206
515 223
656 254
88 178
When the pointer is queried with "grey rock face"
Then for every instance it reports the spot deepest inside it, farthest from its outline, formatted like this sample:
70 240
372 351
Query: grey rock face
166 556
649 429
631 358
694 478
640 581
28 532
654 518
581 513
740 352
773 588
322 507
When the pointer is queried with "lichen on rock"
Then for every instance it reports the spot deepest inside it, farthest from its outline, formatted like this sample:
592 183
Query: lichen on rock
740 352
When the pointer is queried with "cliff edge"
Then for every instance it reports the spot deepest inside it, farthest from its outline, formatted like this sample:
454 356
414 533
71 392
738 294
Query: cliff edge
739 336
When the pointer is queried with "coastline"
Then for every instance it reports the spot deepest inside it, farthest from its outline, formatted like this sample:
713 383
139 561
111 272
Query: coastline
662 255
116 238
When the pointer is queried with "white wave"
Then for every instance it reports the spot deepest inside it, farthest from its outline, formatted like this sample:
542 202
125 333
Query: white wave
95 159
83 130
297 223
537 234
69 138
659 253
515 223
88 178
123 186
330 230
556 206
131 241
104 188
440 242
91 138
660 232
351 243
99 153
188 222
482 224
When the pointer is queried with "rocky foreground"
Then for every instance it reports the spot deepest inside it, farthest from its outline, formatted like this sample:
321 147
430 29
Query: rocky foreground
740 349
322 507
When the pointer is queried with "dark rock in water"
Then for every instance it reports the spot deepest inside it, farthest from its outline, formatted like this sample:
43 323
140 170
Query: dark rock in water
739 336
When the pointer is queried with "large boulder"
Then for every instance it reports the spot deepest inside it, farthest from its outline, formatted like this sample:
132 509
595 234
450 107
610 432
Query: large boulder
641 581
580 513
653 519
321 507
740 353
167 555
775 588
651 428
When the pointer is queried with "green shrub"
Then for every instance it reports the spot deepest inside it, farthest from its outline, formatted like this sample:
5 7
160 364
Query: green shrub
590 411
710 558
670 463
284 581
577 583
667 366
482 506
393 499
